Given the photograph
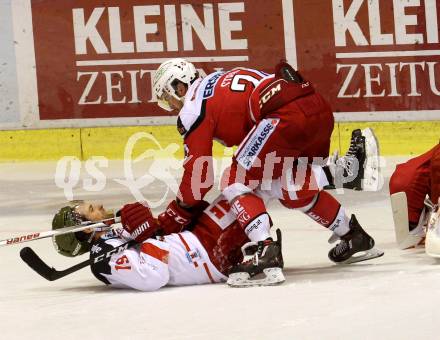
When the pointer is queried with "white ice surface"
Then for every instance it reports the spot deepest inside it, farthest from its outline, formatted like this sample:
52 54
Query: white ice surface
394 297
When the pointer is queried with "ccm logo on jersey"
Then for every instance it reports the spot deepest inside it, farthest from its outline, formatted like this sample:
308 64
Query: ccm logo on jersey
254 144
109 254
269 94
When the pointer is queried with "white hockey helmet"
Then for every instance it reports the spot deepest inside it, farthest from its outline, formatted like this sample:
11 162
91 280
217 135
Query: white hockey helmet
168 75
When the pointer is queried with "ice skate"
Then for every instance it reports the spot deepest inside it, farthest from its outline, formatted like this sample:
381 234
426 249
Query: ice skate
351 166
359 168
267 260
354 242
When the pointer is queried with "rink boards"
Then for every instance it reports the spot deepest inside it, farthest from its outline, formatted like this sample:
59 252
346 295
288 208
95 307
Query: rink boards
395 138
83 93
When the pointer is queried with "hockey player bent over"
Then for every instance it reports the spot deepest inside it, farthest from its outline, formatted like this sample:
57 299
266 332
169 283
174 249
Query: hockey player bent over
204 255
415 192
275 119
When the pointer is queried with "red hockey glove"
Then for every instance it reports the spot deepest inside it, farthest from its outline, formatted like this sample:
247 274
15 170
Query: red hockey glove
176 218
137 220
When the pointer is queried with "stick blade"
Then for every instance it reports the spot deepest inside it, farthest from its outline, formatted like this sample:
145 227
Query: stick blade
36 263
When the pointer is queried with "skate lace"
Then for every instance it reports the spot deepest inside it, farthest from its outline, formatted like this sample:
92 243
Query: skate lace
341 248
352 149
346 162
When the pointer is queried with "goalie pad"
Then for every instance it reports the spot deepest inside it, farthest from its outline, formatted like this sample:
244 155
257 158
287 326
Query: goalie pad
404 238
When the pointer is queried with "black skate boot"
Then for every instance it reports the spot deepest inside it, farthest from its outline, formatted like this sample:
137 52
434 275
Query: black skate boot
355 241
353 162
267 258
359 169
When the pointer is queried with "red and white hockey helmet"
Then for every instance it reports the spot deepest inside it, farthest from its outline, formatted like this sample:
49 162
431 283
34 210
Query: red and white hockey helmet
168 75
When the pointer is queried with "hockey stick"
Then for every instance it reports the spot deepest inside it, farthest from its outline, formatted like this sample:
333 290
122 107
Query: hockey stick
51 274
107 223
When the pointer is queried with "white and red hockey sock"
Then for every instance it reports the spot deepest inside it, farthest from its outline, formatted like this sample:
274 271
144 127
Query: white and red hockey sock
252 216
328 212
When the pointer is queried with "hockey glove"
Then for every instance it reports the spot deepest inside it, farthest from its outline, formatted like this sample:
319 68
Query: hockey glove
176 218
137 220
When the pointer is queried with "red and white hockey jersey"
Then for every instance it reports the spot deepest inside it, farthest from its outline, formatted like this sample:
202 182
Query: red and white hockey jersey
216 108
225 107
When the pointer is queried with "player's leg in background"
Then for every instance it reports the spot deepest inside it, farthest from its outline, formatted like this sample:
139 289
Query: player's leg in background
413 178
409 185
432 242
435 175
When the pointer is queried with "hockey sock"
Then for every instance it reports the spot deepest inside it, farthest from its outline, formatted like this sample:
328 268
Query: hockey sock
328 212
252 216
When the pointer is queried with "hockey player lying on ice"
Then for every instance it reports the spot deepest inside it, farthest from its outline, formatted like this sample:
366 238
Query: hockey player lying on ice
275 119
205 253
415 193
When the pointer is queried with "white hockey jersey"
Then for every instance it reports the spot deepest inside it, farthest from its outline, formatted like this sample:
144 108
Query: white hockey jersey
175 260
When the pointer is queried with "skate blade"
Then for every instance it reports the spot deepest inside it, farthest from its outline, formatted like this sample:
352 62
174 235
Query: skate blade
367 255
274 276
